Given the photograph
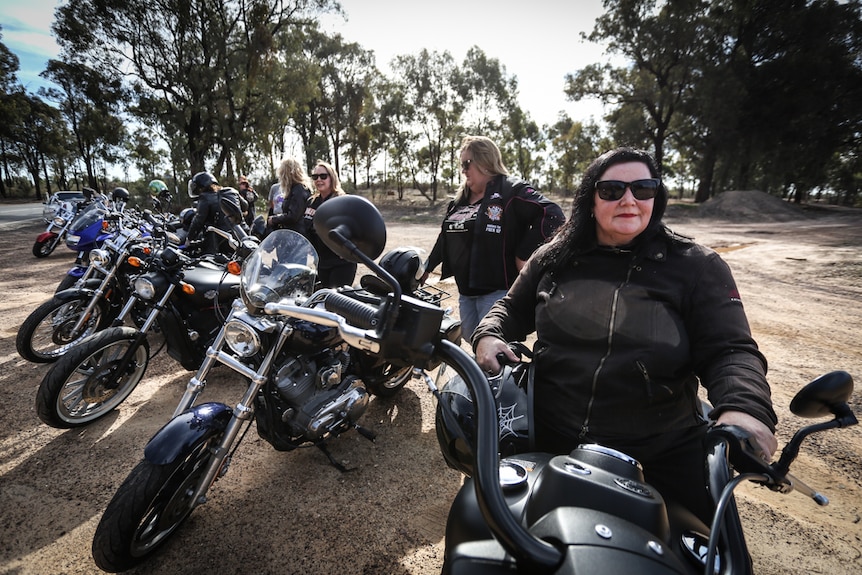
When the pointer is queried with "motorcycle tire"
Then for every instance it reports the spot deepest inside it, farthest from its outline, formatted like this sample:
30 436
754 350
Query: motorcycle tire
44 248
386 380
45 335
148 508
65 283
84 384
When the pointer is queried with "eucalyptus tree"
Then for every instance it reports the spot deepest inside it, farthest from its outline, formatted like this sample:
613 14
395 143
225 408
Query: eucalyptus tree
574 146
201 68
428 85
36 137
91 104
9 66
658 43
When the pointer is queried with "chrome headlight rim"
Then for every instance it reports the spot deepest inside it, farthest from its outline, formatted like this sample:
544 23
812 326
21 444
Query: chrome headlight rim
241 338
99 257
144 288
59 221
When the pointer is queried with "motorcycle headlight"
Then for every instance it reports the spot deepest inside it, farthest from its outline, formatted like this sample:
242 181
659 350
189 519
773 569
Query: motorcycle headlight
99 257
59 221
145 288
241 338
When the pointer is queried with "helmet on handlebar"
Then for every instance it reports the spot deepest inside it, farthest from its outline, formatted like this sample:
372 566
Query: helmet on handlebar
156 187
201 182
120 195
405 265
514 411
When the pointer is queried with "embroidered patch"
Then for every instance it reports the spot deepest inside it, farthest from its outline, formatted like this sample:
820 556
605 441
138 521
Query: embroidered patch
495 213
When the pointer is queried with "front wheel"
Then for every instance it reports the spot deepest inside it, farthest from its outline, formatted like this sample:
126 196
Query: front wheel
88 382
385 379
43 249
47 333
147 508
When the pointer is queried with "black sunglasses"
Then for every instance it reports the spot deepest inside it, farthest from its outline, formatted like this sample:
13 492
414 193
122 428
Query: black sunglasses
613 190
465 165
319 176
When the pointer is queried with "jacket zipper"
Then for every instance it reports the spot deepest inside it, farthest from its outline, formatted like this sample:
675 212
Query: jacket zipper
585 427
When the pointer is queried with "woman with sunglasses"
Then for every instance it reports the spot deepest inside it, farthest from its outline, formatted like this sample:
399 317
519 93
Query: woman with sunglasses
288 197
332 271
491 227
629 317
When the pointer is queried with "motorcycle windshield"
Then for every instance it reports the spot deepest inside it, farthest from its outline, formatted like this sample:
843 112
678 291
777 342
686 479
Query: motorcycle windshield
91 214
284 265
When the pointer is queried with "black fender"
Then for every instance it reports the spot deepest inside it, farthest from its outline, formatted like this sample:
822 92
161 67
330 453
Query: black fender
88 289
181 434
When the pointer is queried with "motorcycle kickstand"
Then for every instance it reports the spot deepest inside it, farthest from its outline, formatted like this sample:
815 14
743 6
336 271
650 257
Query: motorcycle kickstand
335 464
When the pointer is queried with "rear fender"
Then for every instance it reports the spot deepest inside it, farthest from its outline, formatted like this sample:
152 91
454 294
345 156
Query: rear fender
181 434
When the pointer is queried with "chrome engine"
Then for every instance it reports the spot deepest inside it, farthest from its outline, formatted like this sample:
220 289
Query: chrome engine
318 398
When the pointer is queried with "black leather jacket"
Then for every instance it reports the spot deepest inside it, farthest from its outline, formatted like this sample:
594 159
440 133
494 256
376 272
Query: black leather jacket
514 219
624 337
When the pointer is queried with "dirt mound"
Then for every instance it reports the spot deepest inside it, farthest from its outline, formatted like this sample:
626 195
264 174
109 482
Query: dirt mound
737 206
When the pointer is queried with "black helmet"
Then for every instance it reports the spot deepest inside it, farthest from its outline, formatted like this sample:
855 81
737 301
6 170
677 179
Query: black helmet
200 183
120 194
456 434
186 217
406 267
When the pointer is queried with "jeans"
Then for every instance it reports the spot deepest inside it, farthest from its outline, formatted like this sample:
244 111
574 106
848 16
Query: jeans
472 308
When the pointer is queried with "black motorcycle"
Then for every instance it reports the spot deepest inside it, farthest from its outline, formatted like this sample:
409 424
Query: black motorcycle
591 511
183 298
311 359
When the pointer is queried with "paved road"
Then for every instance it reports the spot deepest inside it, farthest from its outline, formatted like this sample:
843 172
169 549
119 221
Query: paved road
17 215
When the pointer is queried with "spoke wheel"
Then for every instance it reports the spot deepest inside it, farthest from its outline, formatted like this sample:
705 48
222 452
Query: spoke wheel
148 508
47 334
385 380
44 248
87 383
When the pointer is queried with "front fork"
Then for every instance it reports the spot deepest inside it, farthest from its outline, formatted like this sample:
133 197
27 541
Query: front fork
243 411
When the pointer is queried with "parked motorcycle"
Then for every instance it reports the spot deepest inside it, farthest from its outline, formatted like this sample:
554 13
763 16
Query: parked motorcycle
59 218
96 297
185 299
311 359
591 511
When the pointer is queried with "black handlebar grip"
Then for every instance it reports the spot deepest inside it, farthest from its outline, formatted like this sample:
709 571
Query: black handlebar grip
355 312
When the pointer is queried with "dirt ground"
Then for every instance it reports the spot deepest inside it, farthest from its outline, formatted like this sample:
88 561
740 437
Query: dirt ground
800 276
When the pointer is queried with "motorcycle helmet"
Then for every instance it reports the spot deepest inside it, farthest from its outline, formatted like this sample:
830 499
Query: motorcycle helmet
156 187
186 217
456 430
201 182
120 195
405 265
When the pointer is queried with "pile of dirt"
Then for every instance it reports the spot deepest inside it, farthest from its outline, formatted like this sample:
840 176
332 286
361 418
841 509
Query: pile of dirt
746 206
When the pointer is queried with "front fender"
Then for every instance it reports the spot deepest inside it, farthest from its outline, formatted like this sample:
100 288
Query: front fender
88 290
45 236
179 436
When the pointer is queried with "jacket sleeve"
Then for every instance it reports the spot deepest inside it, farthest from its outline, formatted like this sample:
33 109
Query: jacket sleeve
435 258
513 317
725 356
293 208
540 218
202 215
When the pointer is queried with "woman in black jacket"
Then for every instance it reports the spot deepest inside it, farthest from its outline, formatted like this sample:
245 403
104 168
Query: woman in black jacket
288 197
491 228
629 319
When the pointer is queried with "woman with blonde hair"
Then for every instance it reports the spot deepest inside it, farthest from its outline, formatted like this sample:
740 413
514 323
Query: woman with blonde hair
331 269
288 197
491 228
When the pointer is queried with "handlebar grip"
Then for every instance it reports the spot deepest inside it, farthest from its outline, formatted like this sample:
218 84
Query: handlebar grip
355 312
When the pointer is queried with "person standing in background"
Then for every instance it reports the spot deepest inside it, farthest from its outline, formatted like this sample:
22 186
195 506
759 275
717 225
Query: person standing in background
490 229
332 270
246 191
288 197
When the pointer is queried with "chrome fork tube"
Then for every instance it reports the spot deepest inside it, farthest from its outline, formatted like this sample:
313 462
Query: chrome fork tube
241 413
100 291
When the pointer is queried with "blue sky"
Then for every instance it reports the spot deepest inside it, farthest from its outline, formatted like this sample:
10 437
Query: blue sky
538 41
26 32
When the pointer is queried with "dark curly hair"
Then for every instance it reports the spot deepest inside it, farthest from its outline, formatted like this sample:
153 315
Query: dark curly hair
579 231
